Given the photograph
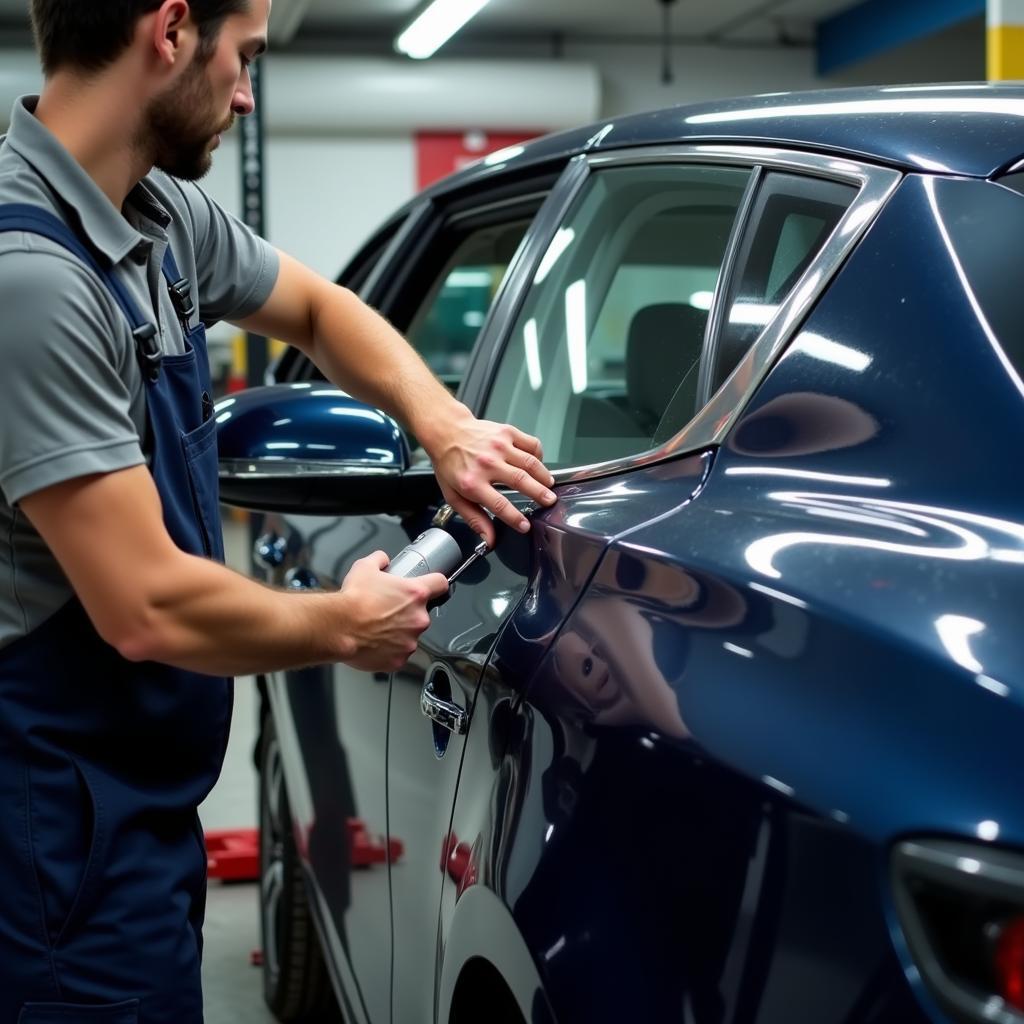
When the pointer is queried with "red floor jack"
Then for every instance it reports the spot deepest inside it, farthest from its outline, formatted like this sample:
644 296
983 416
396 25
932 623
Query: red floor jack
233 855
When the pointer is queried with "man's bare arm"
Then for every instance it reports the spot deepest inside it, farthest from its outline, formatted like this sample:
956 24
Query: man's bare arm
153 602
359 350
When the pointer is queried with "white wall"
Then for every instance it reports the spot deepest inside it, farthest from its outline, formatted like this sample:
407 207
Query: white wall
324 196
631 75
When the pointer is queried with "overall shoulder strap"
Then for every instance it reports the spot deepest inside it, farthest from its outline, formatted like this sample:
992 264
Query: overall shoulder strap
179 288
34 219
24 217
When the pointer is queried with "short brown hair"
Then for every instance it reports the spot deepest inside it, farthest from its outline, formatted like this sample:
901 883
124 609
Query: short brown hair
90 34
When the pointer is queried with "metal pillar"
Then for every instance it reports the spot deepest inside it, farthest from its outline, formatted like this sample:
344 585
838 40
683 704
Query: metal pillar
254 207
254 215
1005 39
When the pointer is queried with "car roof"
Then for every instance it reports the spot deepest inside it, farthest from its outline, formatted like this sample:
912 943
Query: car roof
971 129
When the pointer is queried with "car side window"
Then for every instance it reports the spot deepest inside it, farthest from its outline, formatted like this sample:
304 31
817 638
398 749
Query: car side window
792 219
444 328
611 332
294 365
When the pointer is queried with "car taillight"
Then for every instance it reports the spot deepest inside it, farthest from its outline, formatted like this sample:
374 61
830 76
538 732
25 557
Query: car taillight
961 906
1010 962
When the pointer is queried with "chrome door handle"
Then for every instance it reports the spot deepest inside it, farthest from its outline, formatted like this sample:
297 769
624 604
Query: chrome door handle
443 712
268 552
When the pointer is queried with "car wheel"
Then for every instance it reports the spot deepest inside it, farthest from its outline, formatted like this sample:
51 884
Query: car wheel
295 982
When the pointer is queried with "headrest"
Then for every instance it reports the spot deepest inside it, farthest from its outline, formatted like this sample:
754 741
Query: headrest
664 343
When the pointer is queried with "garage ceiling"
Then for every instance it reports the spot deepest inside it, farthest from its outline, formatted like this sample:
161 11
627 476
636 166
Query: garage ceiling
612 18
336 22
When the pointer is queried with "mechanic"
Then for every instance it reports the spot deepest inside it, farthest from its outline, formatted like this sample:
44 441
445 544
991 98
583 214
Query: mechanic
118 624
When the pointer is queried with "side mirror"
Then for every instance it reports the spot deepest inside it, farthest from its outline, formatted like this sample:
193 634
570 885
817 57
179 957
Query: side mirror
312 449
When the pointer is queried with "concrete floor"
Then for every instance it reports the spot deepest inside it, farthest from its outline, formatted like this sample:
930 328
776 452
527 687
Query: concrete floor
233 988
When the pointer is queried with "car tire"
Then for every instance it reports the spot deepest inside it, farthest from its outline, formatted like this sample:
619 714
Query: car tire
296 986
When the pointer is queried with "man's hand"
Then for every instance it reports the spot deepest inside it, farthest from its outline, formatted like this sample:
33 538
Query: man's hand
385 614
470 456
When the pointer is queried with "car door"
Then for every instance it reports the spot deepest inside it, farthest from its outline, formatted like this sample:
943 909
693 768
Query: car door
676 282
441 273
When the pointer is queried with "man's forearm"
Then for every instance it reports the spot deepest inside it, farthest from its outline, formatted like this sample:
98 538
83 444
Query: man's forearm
352 343
153 602
204 617
359 351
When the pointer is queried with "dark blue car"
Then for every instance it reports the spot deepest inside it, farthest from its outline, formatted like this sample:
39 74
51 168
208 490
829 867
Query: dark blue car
736 734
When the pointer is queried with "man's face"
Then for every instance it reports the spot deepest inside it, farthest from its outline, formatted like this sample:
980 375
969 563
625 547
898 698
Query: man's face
183 125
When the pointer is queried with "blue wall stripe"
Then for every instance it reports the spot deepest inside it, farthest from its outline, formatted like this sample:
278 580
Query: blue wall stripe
871 27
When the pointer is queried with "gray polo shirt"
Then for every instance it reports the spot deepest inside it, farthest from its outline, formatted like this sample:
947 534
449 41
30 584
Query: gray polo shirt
72 398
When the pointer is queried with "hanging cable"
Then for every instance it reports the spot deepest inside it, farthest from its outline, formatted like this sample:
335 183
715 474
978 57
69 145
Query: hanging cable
667 77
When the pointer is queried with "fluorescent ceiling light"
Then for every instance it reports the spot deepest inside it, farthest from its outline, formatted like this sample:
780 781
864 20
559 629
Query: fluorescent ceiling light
435 26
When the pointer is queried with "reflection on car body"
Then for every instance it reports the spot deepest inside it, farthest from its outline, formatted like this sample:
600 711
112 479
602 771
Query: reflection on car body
745 705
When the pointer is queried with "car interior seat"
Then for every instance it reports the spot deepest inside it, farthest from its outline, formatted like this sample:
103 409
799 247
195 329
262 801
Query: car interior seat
662 362
663 349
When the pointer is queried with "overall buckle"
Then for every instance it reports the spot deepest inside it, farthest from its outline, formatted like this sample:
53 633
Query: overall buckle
147 347
181 298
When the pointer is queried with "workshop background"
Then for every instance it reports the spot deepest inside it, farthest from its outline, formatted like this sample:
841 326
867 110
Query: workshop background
352 129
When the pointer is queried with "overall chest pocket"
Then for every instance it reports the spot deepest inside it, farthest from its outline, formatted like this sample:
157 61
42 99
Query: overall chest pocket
199 448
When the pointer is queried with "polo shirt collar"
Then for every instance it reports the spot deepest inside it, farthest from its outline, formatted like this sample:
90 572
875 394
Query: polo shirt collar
103 224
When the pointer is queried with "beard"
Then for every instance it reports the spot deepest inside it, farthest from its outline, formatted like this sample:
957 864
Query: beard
180 124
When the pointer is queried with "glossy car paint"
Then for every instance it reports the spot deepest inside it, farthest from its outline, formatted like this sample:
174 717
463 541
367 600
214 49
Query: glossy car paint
710 694
312 423
745 711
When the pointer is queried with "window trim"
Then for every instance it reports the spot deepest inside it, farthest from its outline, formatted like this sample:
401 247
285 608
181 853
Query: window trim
716 417
509 299
463 217
772 185
740 231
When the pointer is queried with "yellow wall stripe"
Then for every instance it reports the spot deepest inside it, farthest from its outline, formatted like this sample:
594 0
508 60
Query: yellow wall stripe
1005 52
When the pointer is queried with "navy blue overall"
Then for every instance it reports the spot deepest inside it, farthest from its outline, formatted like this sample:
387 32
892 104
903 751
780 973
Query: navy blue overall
103 761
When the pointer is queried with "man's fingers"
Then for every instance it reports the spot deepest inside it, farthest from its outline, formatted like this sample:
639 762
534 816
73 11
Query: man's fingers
503 509
436 583
527 442
528 475
476 518
378 559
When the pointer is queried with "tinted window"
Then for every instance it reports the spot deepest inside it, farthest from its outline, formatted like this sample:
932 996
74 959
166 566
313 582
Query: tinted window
792 220
609 341
445 327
